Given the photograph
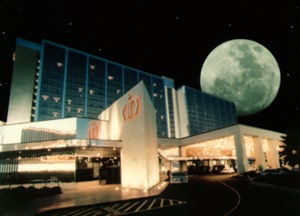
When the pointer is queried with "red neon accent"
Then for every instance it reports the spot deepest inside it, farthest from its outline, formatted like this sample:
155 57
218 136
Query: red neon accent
132 108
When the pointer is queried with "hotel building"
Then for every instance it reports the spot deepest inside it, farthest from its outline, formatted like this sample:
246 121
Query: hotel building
81 117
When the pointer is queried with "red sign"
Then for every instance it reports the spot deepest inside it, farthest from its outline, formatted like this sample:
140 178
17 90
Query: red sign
132 108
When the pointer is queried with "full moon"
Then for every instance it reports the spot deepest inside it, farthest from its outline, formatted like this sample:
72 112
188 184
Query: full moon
244 72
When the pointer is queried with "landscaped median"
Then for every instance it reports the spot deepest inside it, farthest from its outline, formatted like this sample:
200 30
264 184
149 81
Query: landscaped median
24 193
280 177
290 180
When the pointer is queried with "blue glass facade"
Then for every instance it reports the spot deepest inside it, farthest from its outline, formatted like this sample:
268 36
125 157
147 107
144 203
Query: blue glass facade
71 83
77 84
206 112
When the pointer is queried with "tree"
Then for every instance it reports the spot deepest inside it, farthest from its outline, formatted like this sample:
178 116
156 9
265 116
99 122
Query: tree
291 148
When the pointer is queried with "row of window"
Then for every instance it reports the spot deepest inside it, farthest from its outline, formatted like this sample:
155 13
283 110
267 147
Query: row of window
109 78
206 112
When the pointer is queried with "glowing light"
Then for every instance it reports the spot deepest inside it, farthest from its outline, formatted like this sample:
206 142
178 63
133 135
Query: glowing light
45 97
40 167
56 99
218 148
59 64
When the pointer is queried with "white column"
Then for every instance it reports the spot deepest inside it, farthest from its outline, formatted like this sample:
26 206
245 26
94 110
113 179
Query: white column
242 160
182 153
260 159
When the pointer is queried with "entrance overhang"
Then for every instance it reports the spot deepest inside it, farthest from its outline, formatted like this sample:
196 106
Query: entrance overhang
238 142
60 144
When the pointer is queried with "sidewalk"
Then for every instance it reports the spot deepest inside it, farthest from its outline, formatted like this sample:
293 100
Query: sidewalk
78 194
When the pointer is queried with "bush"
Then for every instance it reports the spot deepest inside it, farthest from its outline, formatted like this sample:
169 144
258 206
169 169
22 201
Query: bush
21 193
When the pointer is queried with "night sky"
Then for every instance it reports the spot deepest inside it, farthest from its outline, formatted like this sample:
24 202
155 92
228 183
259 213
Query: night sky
163 38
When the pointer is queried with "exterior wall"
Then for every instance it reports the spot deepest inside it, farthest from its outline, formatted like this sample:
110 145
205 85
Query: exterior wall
206 112
53 130
132 119
39 131
22 86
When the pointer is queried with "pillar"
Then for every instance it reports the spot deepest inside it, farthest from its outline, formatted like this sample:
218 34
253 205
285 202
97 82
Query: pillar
241 157
182 163
260 159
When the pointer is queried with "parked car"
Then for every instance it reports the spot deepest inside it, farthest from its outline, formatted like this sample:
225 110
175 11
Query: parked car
178 177
227 170
278 171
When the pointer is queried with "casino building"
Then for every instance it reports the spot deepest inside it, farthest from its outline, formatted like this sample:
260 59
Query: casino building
81 117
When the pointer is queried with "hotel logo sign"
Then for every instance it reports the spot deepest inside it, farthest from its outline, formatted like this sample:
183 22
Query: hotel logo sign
94 129
132 108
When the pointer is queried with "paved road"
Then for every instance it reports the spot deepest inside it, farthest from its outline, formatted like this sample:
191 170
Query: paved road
260 200
203 195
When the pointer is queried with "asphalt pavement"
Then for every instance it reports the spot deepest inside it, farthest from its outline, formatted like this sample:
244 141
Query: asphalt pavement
77 194
92 193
